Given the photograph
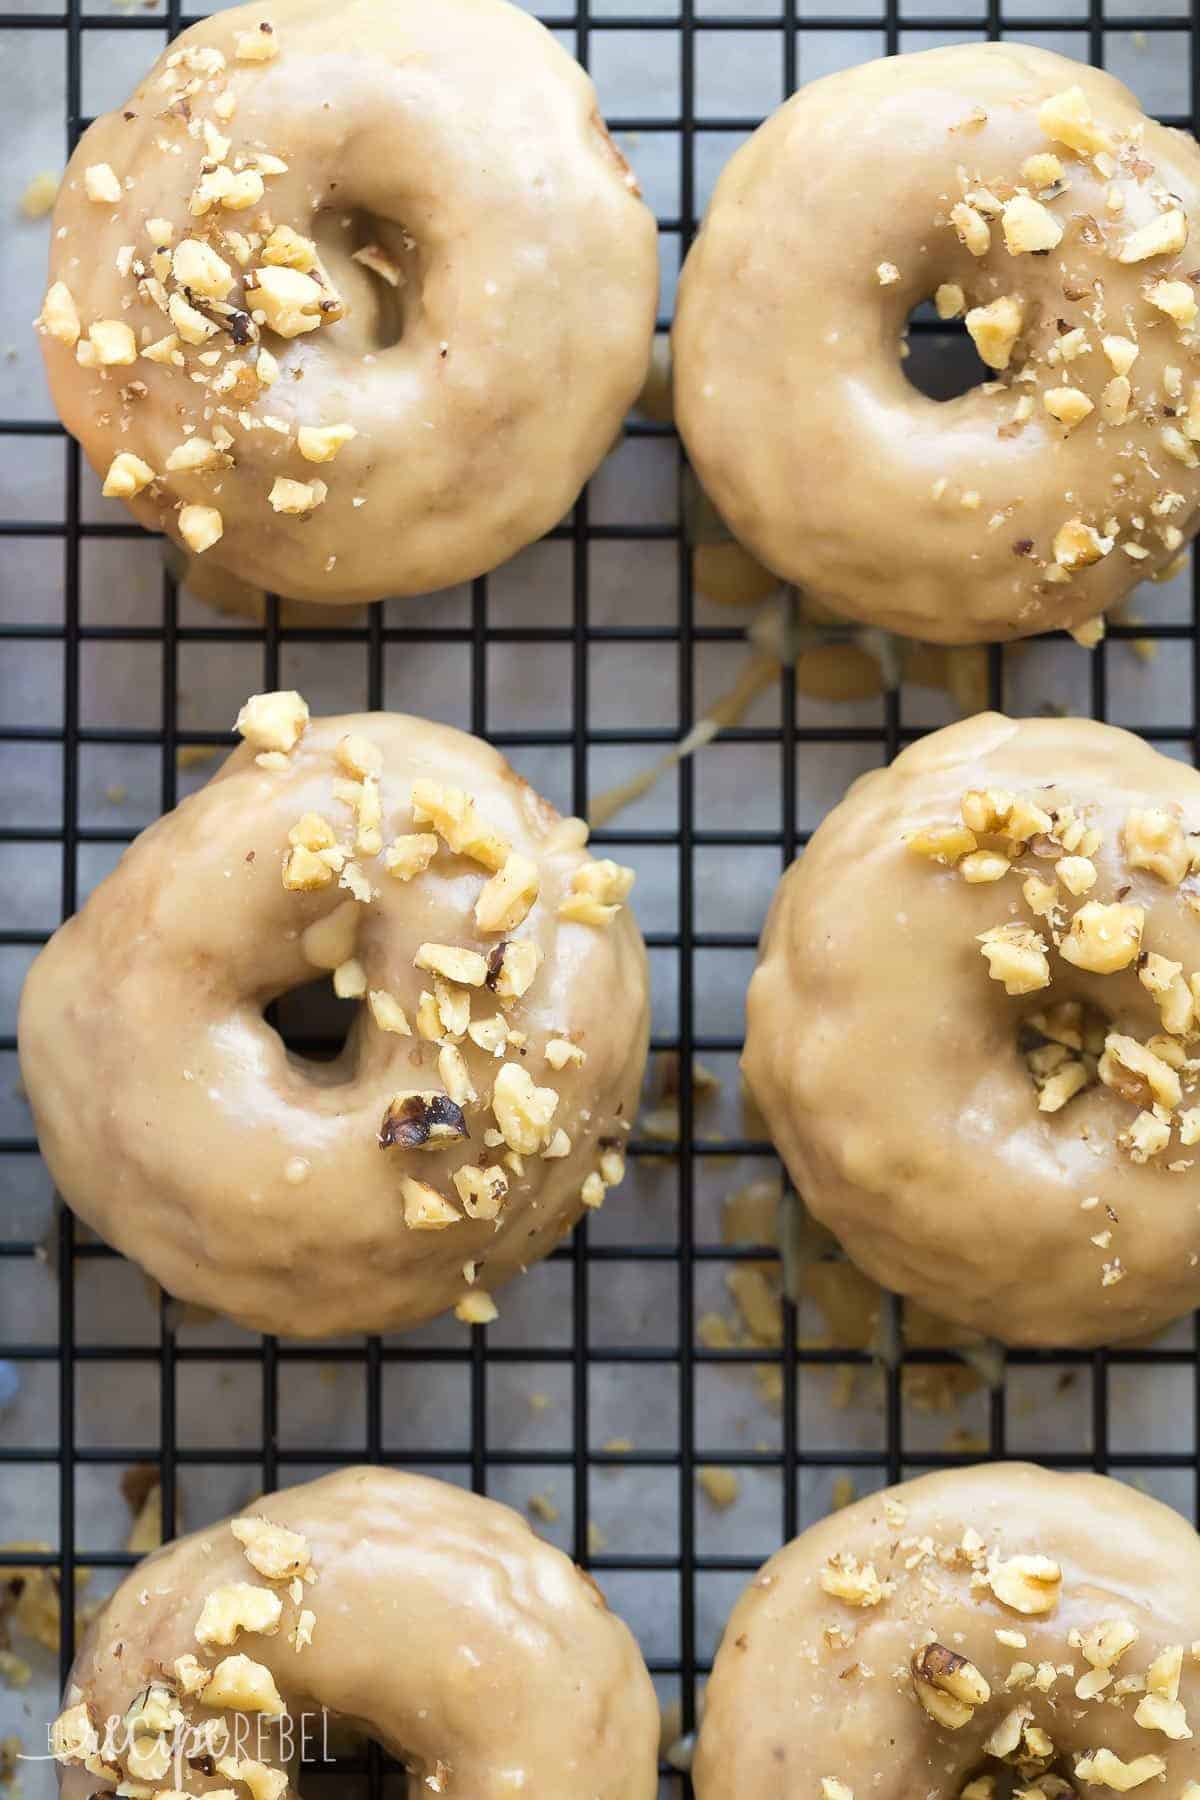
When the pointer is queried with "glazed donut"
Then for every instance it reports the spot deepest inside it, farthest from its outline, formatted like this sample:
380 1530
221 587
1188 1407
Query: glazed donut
432 1618
1011 185
487 1086
1015 1153
351 298
970 1635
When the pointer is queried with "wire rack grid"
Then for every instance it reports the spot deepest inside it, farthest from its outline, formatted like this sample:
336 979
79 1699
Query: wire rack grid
678 123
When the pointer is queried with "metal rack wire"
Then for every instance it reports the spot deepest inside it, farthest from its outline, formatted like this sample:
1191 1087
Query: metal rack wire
784 33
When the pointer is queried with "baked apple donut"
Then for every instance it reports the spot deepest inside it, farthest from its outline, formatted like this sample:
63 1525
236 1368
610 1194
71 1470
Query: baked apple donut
973 1029
351 298
971 1635
1016 188
435 1619
486 1089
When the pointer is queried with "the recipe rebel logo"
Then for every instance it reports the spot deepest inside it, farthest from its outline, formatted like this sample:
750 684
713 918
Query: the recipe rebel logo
281 1740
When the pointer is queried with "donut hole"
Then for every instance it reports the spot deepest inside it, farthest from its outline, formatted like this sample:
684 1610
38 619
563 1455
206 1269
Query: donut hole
317 1031
375 267
942 361
1009 1783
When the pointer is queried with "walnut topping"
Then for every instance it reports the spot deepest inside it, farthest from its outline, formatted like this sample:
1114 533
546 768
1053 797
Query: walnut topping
275 721
72 1735
845 1578
598 890
1114 408
304 870
321 443
423 1120
200 527
1042 170
1176 1002
887 274
972 228
350 979
1137 1074
949 300
507 897
1029 227
1067 119
453 815
1069 405
995 329
264 1783
289 301
523 1110
455 1075
112 342
1155 840
1121 352
942 843
1077 874
100 184
948 1686
191 1674
476 1308
238 1606
833 1789
482 1191
257 46
1164 236
425 1209
410 855
296 497
189 321
244 1686
1176 299
272 1549
1144 1139
1029 1584
197 267
1161 1709
1016 955
1108 1770
1076 544
511 967
466 967
560 1052
983 866
59 317
386 1010
127 475
195 455
1103 939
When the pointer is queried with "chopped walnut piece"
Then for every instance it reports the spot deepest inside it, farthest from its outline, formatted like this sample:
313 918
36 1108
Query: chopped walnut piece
274 721
387 1011
984 865
191 1674
127 475
189 322
421 1120
833 1789
947 1685
257 46
453 816
321 443
1069 405
1076 544
511 967
244 1686
1077 874
1029 1584
264 1783
1176 299
1161 1708
560 1051
1144 1139
456 1077
942 843
1067 119
1121 352
949 300
1006 1736
995 329
1108 1770
296 497
476 1308
200 527
523 1110
1114 409
1155 840
59 317
972 228
101 185
272 1549
290 301
287 249
197 267
236 1607
425 1209
350 979
1016 955
598 890
1137 1074
1029 227
377 259
305 870
507 898
1042 170
466 967
113 342
1189 1125
1062 1085
845 1578
1103 939
410 855
195 455
1164 236
1176 1002
482 1191
72 1735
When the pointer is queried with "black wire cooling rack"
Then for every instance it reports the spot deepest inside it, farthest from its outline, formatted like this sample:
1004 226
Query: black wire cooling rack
677 40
